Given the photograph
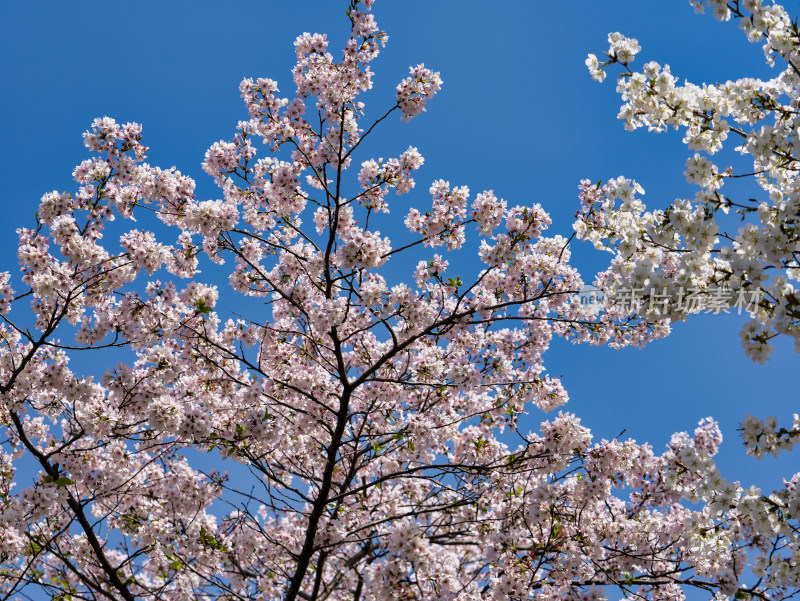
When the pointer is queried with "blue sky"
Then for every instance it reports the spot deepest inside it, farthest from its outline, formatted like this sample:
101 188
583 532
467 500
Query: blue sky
518 114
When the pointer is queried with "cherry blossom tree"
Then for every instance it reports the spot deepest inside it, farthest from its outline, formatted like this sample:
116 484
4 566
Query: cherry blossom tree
370 421
689 244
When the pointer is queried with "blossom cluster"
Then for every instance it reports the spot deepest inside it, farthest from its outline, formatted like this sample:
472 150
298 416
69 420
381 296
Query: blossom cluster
687 245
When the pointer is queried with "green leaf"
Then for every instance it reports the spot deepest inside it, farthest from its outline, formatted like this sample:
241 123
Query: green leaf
211 541
202 307
64 481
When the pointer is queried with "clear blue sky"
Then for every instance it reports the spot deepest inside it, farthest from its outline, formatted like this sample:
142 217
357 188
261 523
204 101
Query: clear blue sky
518 114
